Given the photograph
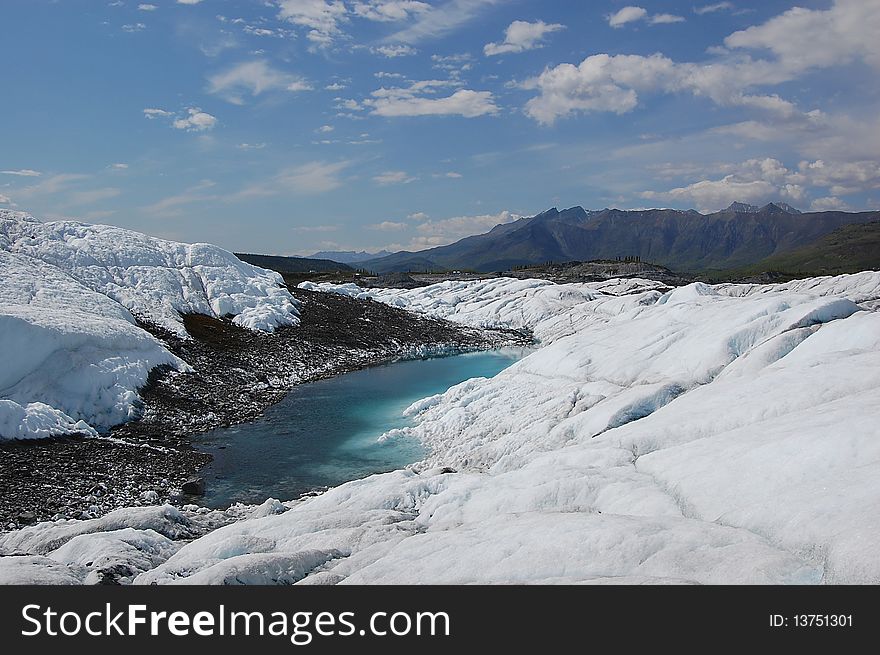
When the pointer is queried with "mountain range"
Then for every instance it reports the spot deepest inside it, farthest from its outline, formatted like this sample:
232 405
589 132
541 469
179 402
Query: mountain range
349 256
685 241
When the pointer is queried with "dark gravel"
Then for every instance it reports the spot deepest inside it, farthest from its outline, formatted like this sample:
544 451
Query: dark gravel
237 374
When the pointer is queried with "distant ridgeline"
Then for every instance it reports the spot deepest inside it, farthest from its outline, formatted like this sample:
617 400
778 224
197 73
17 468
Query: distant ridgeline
738 237
293 264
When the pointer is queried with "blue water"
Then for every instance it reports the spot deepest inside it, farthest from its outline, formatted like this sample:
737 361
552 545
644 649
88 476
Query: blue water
325 433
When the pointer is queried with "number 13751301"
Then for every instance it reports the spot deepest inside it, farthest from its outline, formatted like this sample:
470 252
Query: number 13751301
811 621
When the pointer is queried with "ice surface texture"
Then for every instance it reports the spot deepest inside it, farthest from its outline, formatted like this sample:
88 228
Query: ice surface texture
72 354
704 435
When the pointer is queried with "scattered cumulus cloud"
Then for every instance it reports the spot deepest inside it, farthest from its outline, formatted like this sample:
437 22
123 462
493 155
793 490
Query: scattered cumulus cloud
147 7
389 10
799 41
192 119
718 6
633 14
804 39
134 27
521 36
152 113
627 15
758 181
419 100
325 129
443 232
322 18
392 51
665 19
829 203
388 226
251 146
195 120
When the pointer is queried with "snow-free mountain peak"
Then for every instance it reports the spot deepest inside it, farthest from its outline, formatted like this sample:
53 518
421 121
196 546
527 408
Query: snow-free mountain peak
744 208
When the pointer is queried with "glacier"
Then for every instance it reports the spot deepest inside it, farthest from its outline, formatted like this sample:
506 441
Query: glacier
698 435
71 296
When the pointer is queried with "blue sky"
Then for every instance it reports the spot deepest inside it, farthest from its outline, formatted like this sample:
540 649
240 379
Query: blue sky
291 126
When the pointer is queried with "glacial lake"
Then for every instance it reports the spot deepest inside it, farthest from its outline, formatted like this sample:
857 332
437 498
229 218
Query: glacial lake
325 433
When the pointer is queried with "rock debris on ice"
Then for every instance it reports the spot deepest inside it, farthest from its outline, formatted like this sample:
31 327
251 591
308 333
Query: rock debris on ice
70 293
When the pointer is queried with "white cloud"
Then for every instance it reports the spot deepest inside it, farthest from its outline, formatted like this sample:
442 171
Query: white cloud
390 76
665 19
23 172
802 39
307 179
389 10
134 27
799 40
188 2
758 181
414 101
156 113
442 19
388 226
841 177
251 146
712 195
828 203
418 216
147 7
325 129
521 36
51 185
5 200
718 6
315 177
453 65
446 231
391 51
335 86
253 77
453 60
627 15
195 120
393 177
321 17
451 175
634 14
119 166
